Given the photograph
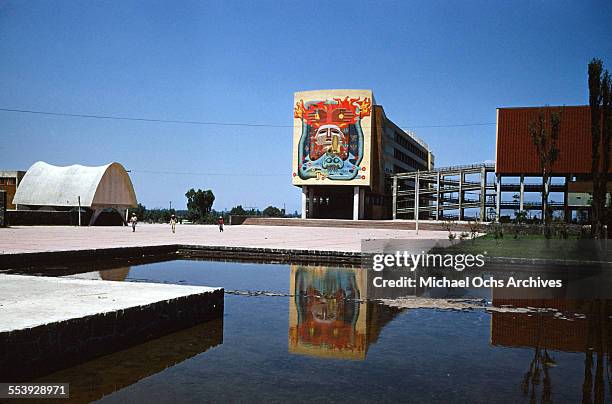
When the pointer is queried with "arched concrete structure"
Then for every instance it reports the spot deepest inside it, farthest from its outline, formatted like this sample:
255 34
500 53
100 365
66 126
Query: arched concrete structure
99 188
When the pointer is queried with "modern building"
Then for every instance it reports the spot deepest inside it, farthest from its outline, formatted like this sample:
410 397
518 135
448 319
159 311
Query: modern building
9 181
344 150
102 191
490 191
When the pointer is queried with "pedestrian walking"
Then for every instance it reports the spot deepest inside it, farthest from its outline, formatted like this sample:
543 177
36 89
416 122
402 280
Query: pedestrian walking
220 222
133 221
173 223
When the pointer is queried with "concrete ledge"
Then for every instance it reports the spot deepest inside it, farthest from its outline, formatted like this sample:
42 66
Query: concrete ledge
166 252
63 256
270 254
105 258
53 323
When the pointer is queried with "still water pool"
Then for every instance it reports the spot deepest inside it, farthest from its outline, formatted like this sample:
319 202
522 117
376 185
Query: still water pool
306 334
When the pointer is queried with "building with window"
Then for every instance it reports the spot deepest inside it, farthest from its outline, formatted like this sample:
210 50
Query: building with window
9 181
513 183
344 150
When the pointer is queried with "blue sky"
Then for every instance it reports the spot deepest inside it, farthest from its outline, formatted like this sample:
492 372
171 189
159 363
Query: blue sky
428 63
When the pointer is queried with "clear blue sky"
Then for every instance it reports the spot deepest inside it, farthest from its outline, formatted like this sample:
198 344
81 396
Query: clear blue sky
428 63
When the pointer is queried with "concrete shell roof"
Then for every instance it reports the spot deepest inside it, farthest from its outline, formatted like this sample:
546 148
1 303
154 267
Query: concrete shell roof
98 187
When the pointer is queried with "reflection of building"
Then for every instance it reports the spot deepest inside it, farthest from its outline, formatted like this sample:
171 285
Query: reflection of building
343 148
9 181
511 329
105 192
328 314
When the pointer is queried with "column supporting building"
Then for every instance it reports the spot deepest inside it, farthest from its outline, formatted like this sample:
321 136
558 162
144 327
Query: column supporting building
460 196
522 194
394 198
483 193
498 197
438 195
356 199
304 200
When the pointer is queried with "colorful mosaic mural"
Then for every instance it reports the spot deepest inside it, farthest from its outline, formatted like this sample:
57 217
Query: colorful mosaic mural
332 137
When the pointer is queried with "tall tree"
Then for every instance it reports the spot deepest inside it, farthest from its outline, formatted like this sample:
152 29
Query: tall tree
606 130
199 204
595 69
600 102
545 135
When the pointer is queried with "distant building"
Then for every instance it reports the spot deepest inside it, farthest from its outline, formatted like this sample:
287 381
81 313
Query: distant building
102 191
514 182
344 149
9 181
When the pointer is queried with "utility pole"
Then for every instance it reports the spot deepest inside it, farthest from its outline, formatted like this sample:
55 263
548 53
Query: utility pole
79 199
170 205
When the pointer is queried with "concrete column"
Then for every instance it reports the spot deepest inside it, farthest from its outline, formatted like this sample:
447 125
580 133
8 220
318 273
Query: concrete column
522 194
310 202
361 203
498 197
438 195
394 198
460 195
417 187
304 199
483 193
355 203
95 215
567 214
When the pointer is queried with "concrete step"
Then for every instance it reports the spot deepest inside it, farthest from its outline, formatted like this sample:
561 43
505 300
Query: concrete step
361 224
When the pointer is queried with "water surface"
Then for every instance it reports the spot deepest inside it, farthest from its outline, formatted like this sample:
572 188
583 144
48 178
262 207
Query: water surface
314 335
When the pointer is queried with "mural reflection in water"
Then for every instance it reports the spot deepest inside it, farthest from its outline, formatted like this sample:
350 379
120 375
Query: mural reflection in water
329 315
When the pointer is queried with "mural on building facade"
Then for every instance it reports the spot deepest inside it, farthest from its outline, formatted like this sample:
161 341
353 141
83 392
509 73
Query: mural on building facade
332 145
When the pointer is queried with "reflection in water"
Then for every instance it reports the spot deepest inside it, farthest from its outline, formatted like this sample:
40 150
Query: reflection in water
102 376
577 326
328 314
541 355
116 274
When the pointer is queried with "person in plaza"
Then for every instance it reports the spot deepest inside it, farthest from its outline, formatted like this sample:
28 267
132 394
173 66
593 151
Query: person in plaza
173 223
133 221
220 222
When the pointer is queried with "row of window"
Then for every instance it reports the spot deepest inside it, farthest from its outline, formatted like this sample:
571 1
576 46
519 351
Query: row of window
408 145
8 181
404 158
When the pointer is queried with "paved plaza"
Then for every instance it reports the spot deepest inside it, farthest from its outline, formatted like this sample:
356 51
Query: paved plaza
23 239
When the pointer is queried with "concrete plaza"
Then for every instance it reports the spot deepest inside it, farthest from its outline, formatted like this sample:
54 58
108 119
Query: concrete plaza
24 239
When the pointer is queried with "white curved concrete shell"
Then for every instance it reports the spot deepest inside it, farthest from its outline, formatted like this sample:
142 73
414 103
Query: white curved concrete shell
107 186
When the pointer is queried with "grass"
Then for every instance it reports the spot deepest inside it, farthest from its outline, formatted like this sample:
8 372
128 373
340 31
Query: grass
533 246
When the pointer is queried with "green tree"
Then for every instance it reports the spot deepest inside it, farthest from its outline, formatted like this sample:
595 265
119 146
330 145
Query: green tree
140 211
199 204
273 211
597 204
600 92
238 211
544 132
